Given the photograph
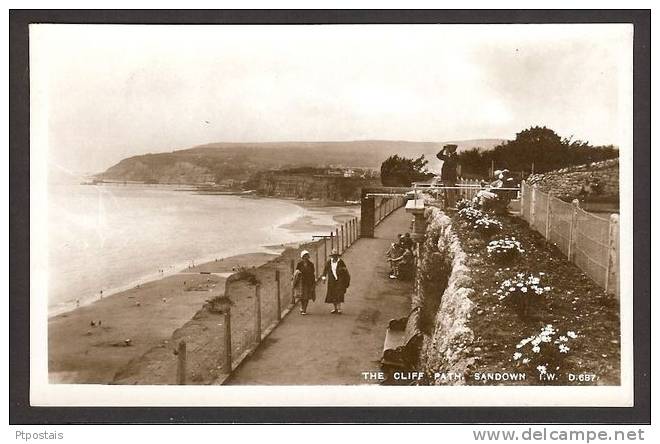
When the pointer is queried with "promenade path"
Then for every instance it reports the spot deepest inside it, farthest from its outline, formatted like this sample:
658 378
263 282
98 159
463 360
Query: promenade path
323 348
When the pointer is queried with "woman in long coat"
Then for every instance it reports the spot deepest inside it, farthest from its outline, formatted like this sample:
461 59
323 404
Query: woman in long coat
304 281
338 277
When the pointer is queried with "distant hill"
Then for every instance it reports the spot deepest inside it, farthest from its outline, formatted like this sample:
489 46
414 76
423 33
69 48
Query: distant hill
220 161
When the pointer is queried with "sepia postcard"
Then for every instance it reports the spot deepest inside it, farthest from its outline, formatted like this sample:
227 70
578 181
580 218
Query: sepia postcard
331 215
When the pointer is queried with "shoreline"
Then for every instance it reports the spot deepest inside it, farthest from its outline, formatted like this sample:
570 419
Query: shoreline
140 317
296 224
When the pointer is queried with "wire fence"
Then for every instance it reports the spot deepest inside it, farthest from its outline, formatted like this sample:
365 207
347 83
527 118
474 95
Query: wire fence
256 299
589 241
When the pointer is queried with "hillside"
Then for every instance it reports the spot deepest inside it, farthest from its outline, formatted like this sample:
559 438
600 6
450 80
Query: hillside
220 161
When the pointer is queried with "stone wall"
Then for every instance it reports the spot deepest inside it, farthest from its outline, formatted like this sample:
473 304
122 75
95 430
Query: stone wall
598 181
445 348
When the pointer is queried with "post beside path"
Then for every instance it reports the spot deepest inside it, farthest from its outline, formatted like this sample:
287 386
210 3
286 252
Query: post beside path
376 203
416 208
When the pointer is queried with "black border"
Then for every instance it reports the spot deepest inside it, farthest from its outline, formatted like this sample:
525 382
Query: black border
20 412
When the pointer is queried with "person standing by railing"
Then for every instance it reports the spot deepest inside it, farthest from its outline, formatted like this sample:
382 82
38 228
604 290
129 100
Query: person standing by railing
448 173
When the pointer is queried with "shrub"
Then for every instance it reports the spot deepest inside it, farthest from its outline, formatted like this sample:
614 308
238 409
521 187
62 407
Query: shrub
522 290
545 351
217 304
244 274
465 203
470 213
504 250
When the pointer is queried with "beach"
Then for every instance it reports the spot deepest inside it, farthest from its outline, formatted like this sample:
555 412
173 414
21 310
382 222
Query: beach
96 343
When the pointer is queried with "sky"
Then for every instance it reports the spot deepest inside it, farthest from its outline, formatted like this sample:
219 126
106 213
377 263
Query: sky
101 93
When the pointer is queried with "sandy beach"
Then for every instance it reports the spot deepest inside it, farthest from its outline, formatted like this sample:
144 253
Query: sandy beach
106 341
146 316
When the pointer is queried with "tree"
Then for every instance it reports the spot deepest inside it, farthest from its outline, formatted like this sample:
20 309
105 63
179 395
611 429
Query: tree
402 172
536 146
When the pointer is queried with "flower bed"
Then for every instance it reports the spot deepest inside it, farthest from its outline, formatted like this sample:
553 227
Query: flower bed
556 322
487 225
504 250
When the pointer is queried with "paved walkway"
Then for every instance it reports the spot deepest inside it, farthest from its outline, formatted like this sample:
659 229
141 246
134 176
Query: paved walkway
323 348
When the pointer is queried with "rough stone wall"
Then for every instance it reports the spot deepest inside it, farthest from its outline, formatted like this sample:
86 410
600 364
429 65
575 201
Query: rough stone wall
446 349
595 181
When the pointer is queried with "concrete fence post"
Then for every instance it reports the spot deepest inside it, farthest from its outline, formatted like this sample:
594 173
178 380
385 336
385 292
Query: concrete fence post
181 363
227 363
349 231
257 312
353 236
343 239
292 267
522 199
547 216
325 250
316 261
279 295
344 235
532 207
612 277
572 234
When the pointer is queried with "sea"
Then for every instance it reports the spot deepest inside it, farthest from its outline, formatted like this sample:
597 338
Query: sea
110 237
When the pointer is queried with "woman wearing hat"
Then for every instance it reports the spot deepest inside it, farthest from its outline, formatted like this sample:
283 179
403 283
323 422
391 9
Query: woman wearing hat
336 273
304 281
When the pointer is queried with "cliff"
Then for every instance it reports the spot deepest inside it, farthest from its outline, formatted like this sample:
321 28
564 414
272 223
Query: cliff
239 161
310 186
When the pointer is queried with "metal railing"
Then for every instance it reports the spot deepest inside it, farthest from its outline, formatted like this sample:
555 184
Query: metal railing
386 206
260 299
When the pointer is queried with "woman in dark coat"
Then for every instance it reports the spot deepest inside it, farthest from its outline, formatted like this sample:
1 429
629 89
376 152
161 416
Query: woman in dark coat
304 281
336 273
